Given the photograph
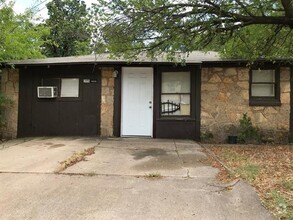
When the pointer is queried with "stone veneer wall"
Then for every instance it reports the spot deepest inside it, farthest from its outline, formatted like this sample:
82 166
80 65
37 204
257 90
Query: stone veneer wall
107 102
10 87
225 97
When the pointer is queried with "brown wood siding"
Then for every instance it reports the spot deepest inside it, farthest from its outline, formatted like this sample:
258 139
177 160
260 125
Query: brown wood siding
179 127
117 103
59 116
24 104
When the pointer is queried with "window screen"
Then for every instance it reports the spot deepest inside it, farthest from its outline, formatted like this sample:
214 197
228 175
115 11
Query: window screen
69 87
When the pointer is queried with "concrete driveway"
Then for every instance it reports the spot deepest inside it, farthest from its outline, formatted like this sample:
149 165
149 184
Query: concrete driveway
123 179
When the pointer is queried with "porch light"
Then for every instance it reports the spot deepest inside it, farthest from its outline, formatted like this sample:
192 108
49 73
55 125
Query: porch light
115 74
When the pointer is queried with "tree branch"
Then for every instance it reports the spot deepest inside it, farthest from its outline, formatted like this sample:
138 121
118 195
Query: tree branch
288 7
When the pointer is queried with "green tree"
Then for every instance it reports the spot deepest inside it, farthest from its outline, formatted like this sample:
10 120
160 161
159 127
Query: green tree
242 29
19 37
70 28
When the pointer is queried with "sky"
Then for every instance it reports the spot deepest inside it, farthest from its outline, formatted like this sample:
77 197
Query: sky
21 5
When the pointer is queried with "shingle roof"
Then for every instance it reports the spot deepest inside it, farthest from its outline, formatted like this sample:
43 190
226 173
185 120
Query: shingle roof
193 57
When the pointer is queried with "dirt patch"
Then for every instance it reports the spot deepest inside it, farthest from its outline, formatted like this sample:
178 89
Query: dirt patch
75 158
267 168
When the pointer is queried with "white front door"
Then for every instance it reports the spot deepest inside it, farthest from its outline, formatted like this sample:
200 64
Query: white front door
137 101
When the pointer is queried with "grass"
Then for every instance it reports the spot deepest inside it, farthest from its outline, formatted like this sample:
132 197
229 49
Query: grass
267 168
232 156
248 172
276 202
288 185
245 167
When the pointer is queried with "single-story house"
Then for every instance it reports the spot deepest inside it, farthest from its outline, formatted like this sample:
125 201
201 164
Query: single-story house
96 95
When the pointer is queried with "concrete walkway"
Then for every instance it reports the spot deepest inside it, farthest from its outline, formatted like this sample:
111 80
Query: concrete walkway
114 182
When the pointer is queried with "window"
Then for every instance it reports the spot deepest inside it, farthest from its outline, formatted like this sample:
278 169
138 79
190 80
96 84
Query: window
264 87
175 94
69 87
66 87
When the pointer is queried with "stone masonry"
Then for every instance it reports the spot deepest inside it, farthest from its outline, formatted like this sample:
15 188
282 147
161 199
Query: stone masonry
225 97
10 88
107 102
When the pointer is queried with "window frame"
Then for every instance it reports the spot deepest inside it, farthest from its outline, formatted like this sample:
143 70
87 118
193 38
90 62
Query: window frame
265 100
67 97
59 78
161 93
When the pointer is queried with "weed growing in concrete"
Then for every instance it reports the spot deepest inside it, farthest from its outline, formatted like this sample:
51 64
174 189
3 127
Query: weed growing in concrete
75 158
91 174
153 175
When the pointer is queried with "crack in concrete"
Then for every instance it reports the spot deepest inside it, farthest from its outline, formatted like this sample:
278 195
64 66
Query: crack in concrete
132 149
228 187
187 173
93 174
2 147
182 162
177 152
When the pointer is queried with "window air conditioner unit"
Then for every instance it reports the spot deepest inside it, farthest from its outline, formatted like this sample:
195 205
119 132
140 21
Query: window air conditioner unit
47 91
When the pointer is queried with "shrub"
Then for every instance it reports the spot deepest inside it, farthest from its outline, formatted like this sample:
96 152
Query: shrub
206 136
247 132
4 104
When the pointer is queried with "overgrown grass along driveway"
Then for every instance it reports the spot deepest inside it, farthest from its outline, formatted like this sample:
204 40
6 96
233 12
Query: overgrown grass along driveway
269 169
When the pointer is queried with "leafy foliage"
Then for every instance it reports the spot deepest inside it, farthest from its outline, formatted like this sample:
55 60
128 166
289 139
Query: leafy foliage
19 37
4 104
206 136
70 28
247 132
253 42
241 29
